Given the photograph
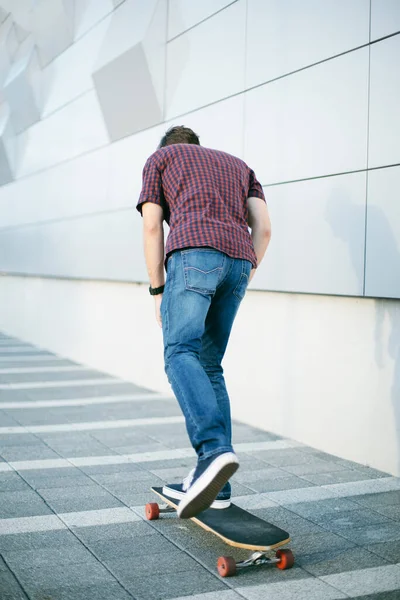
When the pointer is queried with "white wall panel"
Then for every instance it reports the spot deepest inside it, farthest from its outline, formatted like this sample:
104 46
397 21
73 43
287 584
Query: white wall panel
385 18
310 123
107 246
105 179
76 129
90 14
382 277
206 63
286 35
384 114
186 13
70 74
317 243
219 126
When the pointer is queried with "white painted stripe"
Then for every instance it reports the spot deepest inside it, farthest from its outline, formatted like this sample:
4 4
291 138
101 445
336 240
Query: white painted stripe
28 524
88 518
301 589
366 581
34 385
20 370
90 425
30 358
315 493
114 459
85 401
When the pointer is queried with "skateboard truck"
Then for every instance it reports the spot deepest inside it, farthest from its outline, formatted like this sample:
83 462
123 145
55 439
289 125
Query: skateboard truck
227 566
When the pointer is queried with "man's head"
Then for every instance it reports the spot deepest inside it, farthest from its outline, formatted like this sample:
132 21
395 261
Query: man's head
179 135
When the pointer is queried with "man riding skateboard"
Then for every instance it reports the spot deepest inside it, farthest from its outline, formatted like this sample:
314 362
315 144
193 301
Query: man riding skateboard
209 199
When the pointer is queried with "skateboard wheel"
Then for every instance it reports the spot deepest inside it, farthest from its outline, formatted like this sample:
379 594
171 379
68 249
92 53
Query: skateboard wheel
152 511
226 566
286 559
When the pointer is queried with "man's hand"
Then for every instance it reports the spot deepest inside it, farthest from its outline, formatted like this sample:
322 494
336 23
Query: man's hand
157 300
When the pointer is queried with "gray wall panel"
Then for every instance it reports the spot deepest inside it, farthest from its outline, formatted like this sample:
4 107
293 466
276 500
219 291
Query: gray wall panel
383 234
384 114
318 231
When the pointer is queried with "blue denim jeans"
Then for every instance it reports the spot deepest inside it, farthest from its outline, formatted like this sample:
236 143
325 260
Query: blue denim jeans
203 291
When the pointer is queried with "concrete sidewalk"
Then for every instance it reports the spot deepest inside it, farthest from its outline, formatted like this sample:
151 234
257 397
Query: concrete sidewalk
79 451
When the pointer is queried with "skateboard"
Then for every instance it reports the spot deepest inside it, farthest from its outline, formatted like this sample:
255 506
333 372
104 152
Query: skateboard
238 528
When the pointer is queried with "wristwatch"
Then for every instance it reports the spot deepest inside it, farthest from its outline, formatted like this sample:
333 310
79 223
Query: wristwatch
156 291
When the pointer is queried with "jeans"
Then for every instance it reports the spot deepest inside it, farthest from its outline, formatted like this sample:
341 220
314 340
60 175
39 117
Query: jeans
203 291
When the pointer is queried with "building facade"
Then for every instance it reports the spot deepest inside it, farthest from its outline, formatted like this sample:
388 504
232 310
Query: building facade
307 93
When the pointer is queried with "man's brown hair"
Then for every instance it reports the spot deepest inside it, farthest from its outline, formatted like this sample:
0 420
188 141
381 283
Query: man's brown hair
179 135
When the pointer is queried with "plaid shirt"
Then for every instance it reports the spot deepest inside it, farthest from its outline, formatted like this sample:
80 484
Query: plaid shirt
203 193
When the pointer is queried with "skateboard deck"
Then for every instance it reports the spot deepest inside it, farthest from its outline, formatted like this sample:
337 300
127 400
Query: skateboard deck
236 527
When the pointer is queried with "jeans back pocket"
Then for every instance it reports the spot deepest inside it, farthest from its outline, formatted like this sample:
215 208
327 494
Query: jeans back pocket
202 270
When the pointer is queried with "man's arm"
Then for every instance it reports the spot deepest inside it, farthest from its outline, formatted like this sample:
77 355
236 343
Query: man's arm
260 225
153 237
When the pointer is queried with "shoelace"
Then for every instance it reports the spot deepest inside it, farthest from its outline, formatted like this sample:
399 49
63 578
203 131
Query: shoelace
188 480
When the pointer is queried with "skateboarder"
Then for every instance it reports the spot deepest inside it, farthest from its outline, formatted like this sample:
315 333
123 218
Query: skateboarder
209 199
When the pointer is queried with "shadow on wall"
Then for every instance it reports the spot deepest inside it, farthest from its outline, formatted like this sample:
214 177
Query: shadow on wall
344 217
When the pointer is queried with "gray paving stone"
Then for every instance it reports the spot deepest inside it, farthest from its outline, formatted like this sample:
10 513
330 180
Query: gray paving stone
309 549
283 458
127 478
340 560
391 511
7 420
393 595
125 436
130 469
52 376
18 439
55 576
379 499
129 490
390 551
366 581
138 448
87 391
315 465
13 396
56 478
79 499
131 498
38 539
248 475
12 482
303 589
22 504
344 476
220 595
323 510
170 585
188 463
279 484
354 519
115 532
38 451
370 534
43 557
105 591
128 550
174 561
22 364
10 588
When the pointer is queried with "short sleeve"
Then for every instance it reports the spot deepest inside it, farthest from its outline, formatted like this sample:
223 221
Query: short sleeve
255 188
151 185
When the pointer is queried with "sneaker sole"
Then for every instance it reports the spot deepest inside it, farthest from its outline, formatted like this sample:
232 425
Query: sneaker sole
207 487
217 504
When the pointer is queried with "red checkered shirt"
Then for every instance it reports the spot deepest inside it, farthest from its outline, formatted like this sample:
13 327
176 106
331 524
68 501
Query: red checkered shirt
203 193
